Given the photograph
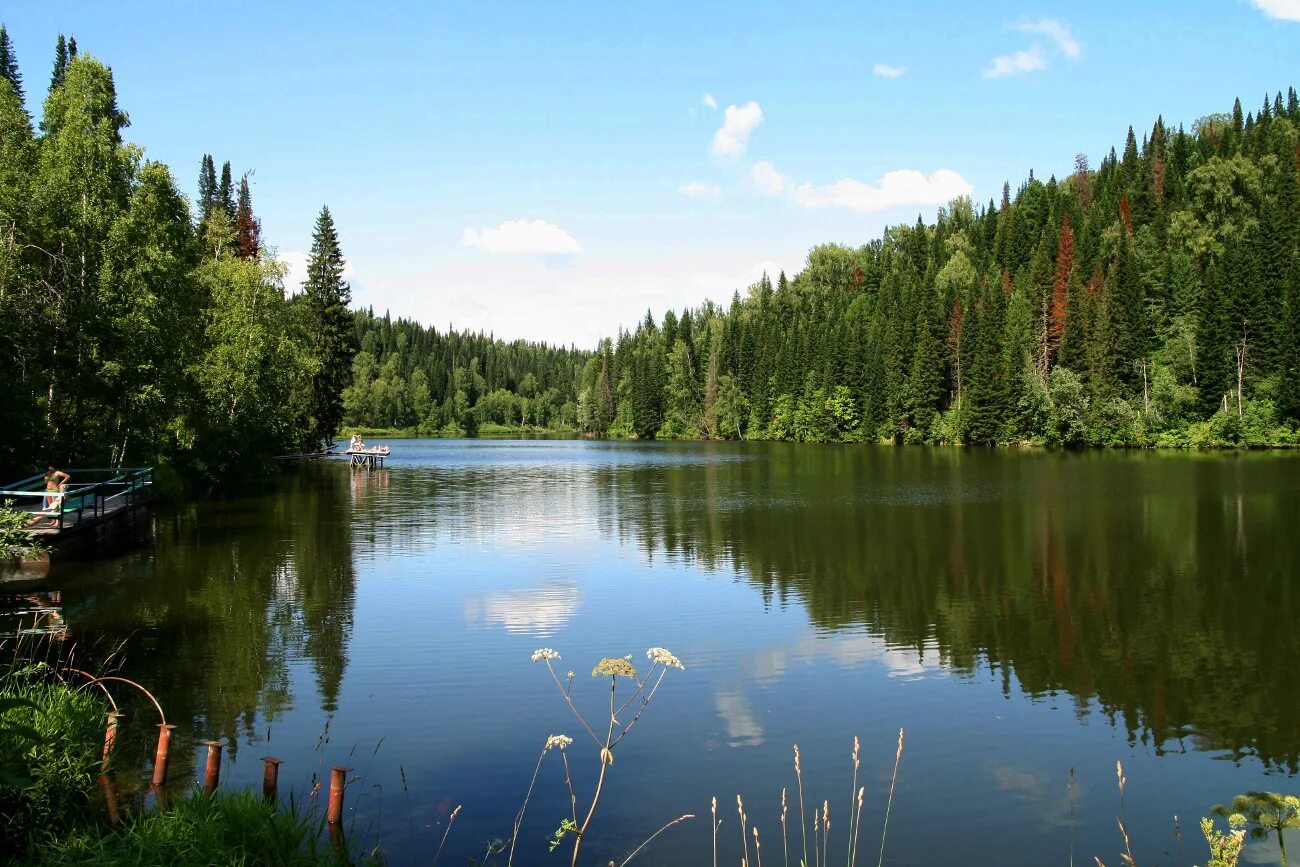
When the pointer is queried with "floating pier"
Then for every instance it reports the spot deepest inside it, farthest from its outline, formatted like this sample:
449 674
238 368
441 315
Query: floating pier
90 498
370 459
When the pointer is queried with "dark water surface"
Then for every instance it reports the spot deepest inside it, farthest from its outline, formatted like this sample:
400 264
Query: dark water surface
1018 613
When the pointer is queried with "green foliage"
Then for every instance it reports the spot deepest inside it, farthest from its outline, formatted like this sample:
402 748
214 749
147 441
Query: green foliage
1225 848
16 541
50 741
1264 813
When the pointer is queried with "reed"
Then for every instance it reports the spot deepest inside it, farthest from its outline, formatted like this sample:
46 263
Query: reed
803 817
889 805
744 841
451 820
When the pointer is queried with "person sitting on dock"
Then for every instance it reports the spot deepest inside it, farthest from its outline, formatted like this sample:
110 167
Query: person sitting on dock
354 444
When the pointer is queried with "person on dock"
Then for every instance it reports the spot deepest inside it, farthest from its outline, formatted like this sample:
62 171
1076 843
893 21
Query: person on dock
55 482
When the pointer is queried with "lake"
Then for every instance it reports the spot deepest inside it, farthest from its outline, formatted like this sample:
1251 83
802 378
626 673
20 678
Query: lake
1019 613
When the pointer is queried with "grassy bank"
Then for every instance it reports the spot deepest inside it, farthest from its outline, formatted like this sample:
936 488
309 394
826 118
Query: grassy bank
53 813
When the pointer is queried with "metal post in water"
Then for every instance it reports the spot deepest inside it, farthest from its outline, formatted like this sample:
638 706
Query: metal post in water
212 771
338 779
110 738
160 757
270 777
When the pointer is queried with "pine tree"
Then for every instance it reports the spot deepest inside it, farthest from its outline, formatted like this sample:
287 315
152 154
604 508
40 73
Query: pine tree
9 64
326 296
248 231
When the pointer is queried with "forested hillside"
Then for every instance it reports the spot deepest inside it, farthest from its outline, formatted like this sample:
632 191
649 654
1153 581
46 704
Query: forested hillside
410 376
1154 299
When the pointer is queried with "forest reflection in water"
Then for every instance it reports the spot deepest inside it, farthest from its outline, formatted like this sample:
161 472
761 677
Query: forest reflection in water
398 607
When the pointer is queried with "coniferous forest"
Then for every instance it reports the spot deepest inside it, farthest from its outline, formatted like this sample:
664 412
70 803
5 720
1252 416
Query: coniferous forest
1151 300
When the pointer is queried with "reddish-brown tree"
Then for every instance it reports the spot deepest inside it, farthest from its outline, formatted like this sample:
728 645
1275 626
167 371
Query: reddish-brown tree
1060 284
248 231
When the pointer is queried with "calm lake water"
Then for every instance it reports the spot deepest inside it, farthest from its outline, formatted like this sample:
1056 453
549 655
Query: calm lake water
1020 614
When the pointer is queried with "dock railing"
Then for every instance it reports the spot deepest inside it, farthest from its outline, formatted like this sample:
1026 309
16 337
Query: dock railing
89 495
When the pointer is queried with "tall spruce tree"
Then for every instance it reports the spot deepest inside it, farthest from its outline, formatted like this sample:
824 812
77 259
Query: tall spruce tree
248 231
207 188
333 340
9 64
61 59
226 193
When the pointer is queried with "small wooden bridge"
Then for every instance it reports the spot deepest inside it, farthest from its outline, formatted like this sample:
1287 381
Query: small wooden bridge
89 498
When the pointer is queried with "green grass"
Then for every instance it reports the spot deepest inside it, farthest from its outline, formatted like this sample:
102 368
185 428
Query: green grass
225 828
51 762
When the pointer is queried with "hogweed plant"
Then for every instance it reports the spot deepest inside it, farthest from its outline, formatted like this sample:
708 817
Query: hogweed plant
614 731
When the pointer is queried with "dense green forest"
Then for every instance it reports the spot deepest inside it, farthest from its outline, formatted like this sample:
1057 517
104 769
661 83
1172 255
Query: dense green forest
407 376
1154 300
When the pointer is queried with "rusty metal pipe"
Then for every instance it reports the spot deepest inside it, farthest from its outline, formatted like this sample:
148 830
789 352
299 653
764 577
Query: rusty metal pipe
212 770
338 781
270 777
160 757
110 738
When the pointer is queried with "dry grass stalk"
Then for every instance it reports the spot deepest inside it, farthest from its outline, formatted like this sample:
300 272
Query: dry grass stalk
803 817
785 846
848 856
889 805
744 841
451 820
857 827
715 831
638 849
758 848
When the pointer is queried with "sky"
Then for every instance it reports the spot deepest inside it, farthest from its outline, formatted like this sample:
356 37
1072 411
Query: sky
551 170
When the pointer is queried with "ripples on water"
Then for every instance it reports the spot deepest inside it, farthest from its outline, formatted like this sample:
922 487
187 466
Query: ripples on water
1021 614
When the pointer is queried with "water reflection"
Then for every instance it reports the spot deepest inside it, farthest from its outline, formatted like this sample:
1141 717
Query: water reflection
231 595
1160 586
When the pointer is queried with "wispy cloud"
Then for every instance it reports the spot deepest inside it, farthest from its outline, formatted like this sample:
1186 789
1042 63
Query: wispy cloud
884 70
1056 30
700 190
1287 10
708 101
1006 65
536 237
732 138
899 188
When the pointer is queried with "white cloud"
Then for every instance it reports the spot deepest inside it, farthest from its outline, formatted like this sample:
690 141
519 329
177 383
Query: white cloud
884 70
1056 30
1013 64
708 101
895 189
1288 10
767 180
732 138
700 190
295 262
522 236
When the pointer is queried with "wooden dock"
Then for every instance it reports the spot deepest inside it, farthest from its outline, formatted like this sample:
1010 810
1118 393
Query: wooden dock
90 498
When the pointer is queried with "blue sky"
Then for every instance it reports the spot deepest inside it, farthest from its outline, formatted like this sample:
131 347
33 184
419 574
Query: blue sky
551 170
